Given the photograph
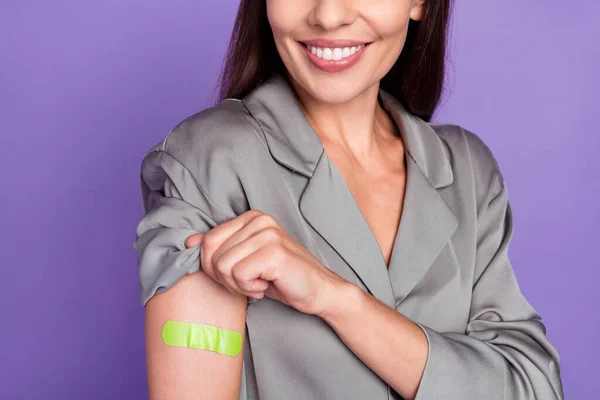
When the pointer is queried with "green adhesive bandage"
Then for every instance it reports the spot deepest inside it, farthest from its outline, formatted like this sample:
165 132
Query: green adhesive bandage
197 336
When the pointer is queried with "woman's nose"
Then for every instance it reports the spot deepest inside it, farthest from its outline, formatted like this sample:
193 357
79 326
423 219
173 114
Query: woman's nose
331 14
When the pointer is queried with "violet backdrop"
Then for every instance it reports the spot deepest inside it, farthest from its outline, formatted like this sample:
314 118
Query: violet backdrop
87 87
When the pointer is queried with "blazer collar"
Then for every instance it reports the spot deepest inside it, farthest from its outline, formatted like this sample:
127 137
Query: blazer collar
326 203
293 142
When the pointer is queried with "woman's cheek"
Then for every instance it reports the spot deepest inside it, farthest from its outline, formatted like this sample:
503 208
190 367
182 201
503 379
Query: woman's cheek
285 16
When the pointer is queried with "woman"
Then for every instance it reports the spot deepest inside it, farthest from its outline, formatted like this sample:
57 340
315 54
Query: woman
360 250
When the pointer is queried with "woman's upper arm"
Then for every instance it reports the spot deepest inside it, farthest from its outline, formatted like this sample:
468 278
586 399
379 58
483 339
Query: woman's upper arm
187 373
173 286
504 352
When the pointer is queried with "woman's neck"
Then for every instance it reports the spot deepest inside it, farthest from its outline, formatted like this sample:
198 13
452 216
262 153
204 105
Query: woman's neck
359 126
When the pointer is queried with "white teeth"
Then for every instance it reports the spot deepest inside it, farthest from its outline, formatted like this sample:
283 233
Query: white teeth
336 53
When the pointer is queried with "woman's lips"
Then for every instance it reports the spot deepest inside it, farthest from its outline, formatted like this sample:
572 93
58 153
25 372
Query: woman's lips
334 65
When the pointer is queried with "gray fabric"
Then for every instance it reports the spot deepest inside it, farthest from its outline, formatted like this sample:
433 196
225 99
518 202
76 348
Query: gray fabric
449 271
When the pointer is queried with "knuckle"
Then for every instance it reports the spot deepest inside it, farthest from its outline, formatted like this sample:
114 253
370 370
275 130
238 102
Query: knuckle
219 266
208 242
274 252
254 213
241 279
267 219
251 286
245 286
272 234
238 274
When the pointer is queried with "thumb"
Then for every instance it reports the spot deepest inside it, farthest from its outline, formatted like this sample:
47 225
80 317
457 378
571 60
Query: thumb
274 293
194 240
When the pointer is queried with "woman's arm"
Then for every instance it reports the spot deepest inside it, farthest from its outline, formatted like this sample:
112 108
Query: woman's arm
185 373
503 353
174 287
391 345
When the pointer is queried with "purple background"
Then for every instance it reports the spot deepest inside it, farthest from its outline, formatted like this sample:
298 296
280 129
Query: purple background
87 87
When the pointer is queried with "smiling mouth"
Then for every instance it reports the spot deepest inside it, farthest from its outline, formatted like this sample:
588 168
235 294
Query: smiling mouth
345 55
334 53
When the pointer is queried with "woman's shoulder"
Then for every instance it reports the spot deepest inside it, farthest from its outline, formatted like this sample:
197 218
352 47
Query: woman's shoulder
218 138
214 149
468 150
221 133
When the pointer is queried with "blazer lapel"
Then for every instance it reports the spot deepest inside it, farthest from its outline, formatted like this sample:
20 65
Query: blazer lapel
427 221
329 207
426 225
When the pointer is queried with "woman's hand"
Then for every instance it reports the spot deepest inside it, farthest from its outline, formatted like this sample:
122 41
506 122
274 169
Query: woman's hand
252 255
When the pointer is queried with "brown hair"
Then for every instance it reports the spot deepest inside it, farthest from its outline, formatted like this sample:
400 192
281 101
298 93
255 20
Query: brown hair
416 79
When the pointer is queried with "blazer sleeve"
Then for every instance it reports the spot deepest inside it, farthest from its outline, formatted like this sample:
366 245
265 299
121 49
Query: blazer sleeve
504 353
175 207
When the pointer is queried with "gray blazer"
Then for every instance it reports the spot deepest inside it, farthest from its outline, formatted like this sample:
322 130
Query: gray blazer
449 272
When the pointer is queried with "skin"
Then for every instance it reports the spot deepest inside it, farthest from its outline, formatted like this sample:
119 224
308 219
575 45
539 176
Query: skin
246 256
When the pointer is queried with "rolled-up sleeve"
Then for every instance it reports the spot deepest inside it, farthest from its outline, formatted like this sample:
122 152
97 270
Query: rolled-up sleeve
175 207
504 353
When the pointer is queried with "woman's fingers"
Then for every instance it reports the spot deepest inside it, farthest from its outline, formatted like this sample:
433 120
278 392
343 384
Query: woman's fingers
194 240
242 256
253 224
259 229
213 240
246 273
236 243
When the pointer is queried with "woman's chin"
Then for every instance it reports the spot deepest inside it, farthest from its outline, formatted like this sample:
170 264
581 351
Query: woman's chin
333 91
